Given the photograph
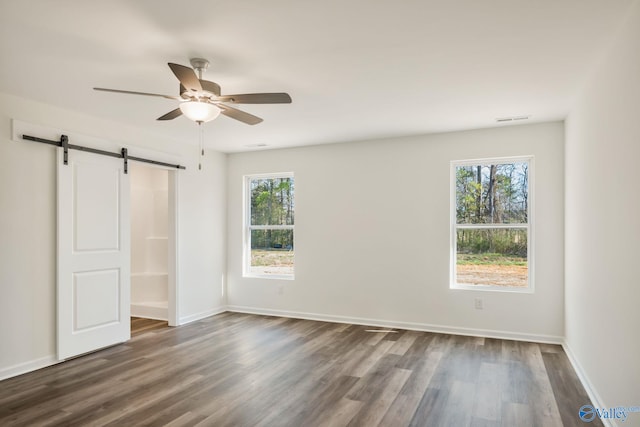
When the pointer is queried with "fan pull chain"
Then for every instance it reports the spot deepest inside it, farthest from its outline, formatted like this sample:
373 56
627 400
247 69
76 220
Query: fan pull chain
201 145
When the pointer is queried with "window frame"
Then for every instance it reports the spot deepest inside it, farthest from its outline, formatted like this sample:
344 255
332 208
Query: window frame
247 227
529 226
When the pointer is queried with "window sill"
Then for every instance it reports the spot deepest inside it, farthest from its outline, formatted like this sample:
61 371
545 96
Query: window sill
488 288
268 276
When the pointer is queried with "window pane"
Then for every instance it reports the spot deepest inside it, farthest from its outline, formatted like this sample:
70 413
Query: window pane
492 193
494 257
272 201
271 252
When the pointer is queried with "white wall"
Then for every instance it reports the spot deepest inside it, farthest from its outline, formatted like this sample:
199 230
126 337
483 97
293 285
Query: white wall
372 234
28 228
602 224
202 246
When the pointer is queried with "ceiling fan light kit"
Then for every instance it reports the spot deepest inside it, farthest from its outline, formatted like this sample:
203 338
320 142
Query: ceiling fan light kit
201 100
198 111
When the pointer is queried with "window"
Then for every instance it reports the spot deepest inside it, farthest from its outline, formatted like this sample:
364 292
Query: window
491 224
269 213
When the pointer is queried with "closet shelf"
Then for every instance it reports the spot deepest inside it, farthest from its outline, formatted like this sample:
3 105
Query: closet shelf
149 274
158 304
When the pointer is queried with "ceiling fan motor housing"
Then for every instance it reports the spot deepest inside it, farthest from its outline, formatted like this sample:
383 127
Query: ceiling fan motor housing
200 65
209 90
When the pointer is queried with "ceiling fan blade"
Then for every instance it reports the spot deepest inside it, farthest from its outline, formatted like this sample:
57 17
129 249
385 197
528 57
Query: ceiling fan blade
187 76
210 87
242 116
257 98
171 115
129 92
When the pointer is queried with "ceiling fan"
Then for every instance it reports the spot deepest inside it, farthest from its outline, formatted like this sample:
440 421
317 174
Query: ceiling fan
201 100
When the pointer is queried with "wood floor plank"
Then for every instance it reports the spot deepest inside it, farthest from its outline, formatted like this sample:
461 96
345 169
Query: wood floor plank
481 422
404 342
372 384
567 389
541 398
459 405
374 408
344 411
140 325
404 406
325 395
518 414
245 370
488 403
430 410
186 419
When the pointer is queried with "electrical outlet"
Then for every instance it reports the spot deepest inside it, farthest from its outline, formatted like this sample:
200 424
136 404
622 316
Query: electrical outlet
478 303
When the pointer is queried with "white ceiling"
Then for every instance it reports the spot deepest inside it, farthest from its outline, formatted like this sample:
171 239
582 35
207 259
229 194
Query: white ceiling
356 69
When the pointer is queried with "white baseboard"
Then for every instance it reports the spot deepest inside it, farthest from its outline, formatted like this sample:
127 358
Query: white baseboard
149 311
596 400
424 327
203 314
23 368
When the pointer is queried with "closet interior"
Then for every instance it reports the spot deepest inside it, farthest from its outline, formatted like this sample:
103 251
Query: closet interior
149 241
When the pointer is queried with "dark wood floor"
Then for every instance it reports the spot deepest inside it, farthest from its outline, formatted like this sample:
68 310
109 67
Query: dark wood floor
245 370
141 326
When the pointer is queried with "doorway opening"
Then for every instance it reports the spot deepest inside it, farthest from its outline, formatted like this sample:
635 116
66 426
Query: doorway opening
153 243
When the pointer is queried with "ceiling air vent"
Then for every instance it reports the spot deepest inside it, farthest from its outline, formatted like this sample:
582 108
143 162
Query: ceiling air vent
511 119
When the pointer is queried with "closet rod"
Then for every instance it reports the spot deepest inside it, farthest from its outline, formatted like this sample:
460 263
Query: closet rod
122 155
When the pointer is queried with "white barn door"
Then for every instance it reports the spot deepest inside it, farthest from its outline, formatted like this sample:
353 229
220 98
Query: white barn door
93 253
